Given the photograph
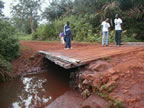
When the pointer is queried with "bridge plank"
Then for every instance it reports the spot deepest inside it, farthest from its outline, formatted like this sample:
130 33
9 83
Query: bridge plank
84 55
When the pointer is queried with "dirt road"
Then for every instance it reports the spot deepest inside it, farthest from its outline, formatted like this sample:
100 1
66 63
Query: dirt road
125 71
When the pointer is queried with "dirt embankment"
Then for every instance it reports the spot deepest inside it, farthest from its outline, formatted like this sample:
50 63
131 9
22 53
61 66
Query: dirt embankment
118 79
30 60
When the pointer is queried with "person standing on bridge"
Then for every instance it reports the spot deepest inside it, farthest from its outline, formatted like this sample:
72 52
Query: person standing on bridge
105 31
67 35
118 29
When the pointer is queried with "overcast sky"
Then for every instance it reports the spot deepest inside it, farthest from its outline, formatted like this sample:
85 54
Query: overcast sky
6 9
7 5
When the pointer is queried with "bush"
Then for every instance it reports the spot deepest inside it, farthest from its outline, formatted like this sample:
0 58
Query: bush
6 29
135 29
44 32
9 48
4 64
82 27
5 67
87 28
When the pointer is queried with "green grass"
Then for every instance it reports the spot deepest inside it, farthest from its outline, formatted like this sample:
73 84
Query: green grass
25 37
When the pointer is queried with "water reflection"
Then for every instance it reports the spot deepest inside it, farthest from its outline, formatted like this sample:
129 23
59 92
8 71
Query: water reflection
34 90
32 93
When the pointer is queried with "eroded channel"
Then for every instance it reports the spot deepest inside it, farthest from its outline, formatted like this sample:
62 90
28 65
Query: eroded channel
34 90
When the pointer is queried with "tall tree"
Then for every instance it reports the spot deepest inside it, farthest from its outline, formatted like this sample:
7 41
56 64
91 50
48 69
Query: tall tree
1 7
27 10
57 8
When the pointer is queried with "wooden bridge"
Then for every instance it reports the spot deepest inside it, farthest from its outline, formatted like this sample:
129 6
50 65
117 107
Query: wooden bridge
85 54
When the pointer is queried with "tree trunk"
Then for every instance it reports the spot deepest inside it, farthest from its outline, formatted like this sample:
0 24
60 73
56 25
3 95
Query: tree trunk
31 24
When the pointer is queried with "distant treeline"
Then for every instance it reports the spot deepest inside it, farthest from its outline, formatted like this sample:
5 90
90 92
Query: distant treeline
85 17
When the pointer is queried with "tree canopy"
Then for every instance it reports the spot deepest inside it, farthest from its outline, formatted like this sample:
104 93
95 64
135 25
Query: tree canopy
60 8
85 15
25 14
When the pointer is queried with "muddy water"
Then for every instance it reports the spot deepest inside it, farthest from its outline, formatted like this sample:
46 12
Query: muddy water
34 90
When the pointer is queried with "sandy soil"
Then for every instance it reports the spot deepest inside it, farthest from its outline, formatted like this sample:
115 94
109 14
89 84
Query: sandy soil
125 72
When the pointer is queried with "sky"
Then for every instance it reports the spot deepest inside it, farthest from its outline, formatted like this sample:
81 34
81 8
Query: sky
7 11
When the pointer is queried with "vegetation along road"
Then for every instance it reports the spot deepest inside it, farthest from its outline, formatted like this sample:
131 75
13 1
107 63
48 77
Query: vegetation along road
111 77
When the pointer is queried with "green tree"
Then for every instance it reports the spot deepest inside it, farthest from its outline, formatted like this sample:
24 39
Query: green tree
86 16
1 7
26 13
9 46
58 8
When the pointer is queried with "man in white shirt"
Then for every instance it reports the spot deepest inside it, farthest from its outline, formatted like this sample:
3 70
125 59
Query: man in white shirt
105 30
118 29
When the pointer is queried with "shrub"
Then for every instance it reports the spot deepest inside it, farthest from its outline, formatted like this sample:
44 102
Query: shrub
135 29
81 27
44 32
5 67
9 48
6 29
87 28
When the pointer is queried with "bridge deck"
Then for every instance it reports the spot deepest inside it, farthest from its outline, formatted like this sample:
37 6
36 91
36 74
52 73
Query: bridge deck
85 54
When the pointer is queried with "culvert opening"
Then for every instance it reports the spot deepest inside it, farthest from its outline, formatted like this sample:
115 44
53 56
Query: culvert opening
69 76
36 89
56 70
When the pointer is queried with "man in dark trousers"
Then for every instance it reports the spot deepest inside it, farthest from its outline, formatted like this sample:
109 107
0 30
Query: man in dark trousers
118 29
67 35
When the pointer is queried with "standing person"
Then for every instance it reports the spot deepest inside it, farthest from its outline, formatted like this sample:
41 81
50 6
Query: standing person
105 31
61 35
67 33
118 29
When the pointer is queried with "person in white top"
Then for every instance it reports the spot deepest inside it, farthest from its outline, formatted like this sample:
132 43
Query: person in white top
118 29
105 31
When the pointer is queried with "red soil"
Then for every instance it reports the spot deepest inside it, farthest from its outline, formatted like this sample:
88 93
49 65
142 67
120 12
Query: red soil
29 56
125 70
